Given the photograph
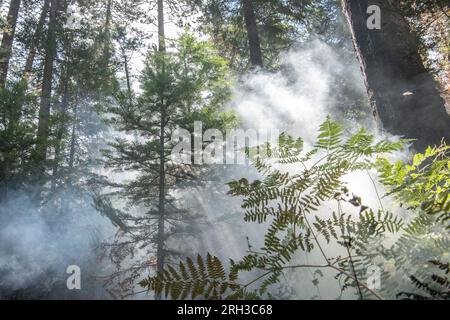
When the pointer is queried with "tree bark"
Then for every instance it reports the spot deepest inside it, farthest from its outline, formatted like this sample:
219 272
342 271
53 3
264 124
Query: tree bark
127 72
107 33
7 40
402 93
252 33
65 205
160 251
44 109
161 32
34 41
62 110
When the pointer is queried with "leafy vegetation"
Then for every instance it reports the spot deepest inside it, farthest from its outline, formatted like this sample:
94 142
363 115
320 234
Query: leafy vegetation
178 88
291 208
424 184
92 91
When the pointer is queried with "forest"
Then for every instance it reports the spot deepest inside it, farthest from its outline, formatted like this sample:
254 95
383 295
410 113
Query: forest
225 149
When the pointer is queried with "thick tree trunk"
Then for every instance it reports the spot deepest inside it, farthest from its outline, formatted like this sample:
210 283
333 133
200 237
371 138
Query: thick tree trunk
7 40
403 95
34 41
160 251
44 109
252 33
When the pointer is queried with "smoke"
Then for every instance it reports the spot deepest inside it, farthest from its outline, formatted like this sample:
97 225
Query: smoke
298 98
314 82
40 236
35 253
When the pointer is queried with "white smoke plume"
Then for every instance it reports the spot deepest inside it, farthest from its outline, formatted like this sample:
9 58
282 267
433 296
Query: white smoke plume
296 100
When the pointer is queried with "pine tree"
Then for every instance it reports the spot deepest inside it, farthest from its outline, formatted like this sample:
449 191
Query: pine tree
253 33
178 88
287 204
46 93
7 40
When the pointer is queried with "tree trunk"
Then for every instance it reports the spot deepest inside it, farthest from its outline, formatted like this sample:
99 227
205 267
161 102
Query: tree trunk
127 72
44 109
252 33
73 138
62 110
162 199
161 32
65 205
107 34
403 95
7 40
160 253
32 52
34 41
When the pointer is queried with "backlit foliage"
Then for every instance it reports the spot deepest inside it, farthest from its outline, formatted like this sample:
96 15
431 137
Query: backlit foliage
424 187
425 183
290 204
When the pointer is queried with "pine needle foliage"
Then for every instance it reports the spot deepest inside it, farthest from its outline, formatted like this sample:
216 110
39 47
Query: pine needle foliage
182 85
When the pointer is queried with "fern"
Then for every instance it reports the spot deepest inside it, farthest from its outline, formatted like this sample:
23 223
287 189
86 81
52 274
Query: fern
434 287
285 202
205 278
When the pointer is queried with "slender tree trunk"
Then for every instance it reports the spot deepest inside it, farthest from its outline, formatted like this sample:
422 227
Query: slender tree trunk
7 40
44 109
161 32
162 198
62 109
127 72
32 53
160 253
252 33
107 34
34 41
73 139
403 94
